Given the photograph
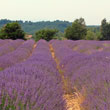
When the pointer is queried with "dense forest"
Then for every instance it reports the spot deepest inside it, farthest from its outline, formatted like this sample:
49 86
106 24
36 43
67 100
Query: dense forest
31 27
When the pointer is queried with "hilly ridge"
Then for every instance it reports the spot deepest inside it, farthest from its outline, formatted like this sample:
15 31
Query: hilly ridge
31 27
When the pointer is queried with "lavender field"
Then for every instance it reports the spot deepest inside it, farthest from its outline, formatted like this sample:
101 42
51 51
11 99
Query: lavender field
54 75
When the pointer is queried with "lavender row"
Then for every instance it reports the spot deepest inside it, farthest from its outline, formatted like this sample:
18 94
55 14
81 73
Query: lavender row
93 81
71 61
34 84
75 61
61 49
9 47
19 55
88 47
90 74
3 42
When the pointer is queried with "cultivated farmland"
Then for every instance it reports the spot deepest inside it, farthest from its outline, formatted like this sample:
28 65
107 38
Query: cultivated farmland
54 75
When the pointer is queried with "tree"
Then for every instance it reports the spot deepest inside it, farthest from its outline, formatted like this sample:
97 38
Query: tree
77 31
46 34
12 31
91 35
105 30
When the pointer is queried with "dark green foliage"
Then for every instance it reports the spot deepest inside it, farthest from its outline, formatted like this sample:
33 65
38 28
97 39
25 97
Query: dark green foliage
59 36
12 31
77 31
31 27
94 28
91 35
47 34
105 30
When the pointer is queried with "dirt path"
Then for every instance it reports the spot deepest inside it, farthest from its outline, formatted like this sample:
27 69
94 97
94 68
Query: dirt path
73 101
34 46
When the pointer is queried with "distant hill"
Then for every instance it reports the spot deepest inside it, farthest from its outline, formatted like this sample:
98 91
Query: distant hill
31 27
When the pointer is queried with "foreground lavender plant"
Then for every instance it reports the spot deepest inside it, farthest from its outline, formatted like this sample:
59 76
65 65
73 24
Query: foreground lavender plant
19 55
34 84
9 47
87 74
95 79
3 42
31 80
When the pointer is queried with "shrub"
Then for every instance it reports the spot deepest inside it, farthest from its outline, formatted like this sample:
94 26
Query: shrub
46 34
77 30
12 31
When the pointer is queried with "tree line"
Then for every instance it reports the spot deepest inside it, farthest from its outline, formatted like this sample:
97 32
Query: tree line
31 27
76 31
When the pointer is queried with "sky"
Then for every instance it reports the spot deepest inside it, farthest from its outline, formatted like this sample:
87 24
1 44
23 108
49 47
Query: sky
93 11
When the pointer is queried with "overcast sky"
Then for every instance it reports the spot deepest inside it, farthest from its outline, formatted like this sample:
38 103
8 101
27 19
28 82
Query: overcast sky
93 11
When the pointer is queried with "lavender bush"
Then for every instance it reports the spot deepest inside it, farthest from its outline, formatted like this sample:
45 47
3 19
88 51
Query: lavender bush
10 46
30 79
34 84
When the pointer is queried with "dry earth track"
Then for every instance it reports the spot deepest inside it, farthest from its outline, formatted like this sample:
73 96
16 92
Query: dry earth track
73 101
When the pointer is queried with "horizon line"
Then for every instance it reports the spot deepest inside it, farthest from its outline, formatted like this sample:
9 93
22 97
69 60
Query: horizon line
34 21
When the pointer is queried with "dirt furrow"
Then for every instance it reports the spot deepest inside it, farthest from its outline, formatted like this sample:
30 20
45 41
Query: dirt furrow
73 101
